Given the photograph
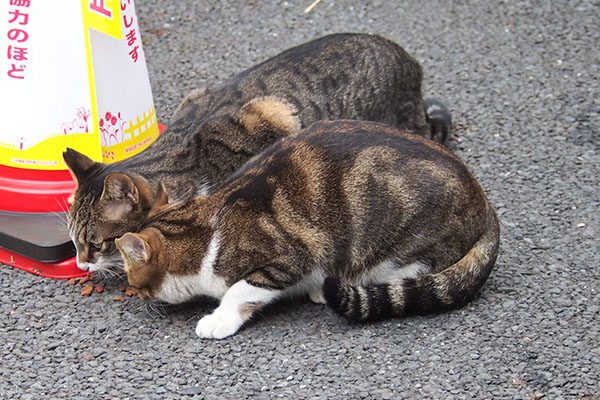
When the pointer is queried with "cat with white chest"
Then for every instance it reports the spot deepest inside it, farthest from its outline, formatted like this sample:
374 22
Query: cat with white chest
371 220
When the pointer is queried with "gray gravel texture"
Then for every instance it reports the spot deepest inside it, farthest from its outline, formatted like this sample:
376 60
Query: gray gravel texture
521 78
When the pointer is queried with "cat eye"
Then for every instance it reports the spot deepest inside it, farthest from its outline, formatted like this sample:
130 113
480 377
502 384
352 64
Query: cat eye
96 245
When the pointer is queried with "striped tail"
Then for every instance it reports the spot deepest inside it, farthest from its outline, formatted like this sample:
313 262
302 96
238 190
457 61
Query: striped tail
421 295
439 120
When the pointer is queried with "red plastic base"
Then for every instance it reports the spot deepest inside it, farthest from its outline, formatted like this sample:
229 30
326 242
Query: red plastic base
30 190
65 269
38 191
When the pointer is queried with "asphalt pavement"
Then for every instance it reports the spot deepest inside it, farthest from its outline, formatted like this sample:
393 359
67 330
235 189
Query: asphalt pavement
521 79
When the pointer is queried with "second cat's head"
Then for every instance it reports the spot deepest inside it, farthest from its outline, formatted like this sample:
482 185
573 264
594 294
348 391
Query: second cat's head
144 265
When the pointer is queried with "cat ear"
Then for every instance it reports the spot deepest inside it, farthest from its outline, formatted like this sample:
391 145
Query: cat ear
271 113
161 199
118 186
134 248
80 165
120 195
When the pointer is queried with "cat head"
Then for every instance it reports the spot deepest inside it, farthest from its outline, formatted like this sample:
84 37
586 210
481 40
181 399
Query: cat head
104 206
144 266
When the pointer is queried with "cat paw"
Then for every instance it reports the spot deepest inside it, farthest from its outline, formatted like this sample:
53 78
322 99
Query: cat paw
317 297
215 326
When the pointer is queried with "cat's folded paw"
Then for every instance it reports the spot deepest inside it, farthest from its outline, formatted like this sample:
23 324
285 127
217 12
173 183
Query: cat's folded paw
217 326
317 296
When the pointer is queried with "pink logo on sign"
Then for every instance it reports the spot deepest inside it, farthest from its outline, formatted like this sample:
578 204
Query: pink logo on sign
112 129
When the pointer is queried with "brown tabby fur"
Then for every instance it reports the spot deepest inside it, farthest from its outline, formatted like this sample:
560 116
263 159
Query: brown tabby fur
372 220
214 131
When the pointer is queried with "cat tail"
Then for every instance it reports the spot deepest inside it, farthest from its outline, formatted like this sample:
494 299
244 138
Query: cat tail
423 294
439 120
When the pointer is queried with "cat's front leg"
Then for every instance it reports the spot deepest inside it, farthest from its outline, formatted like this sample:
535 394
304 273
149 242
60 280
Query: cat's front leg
237 306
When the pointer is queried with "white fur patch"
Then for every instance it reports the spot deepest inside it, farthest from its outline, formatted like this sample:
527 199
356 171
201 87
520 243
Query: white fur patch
178 289
311 284
203 190
364 304
389 270
233 312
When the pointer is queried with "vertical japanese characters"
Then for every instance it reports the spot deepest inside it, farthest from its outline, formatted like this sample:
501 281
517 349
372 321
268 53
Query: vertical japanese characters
16 52
131 35
128 16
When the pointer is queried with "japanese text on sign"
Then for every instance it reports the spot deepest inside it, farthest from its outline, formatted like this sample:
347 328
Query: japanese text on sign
16 52
99 7
131 34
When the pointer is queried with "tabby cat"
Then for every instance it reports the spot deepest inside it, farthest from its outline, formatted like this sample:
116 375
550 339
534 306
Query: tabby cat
373 221
214 131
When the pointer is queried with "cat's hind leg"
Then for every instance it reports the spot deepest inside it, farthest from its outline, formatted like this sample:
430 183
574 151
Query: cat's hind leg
311 284
237 306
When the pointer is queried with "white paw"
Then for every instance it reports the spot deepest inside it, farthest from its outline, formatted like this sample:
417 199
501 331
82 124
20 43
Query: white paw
317 296
216 326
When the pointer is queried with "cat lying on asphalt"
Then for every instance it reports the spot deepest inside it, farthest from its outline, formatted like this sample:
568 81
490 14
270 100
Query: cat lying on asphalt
214 131
368 219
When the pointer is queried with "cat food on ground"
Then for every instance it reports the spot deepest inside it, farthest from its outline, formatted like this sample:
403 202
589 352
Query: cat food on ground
119 298
87 289
99 289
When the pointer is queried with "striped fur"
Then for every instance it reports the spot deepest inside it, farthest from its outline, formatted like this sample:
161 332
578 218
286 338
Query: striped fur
374 221
214 131
423 294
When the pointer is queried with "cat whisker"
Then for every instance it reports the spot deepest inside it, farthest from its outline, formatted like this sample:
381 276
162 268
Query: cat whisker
99 274
60 215
106 274
64 207
64 227
155 309
113 273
